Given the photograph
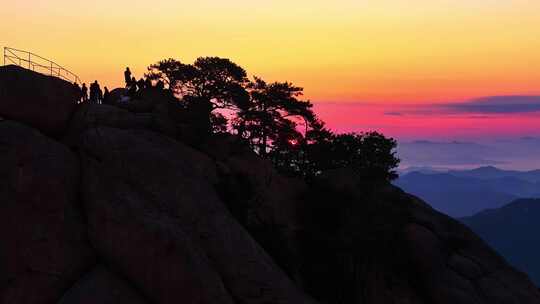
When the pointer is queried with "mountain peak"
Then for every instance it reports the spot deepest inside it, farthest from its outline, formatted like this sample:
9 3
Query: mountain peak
487 169
129 210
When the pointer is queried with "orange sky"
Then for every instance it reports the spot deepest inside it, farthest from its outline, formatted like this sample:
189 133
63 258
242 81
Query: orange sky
344 50
384 52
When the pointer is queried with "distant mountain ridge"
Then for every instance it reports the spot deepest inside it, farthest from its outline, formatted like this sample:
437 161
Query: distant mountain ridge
461 193
513 231
490 172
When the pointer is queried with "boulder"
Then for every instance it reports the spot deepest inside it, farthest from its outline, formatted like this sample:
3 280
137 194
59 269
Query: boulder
101 286
129 225
154 216
44 248
43 102
90 115
117 95
146 100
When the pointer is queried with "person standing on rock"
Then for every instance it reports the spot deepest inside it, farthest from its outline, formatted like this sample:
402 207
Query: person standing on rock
106 96
132 89
100 94
127 77
78 91
84 93
95 92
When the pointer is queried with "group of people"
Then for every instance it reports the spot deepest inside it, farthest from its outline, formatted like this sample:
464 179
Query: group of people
96 94
133 85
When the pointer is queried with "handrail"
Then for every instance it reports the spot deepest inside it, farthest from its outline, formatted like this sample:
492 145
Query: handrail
32 61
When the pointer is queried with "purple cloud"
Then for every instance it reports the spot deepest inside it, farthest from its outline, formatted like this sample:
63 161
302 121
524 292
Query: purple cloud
475 108
497 105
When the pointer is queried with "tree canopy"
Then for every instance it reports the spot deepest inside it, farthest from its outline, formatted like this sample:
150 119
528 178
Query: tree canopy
215 80
273 114
273 119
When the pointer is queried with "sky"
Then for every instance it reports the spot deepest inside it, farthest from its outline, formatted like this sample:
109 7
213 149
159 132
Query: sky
395 66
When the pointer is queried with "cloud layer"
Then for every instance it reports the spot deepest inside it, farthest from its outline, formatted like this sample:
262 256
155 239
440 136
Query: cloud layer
487 118
491 105
521 153
498 105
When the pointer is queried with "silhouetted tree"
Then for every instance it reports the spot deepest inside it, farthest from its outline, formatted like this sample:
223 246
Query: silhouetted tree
166 71
212 82
273 114
376 157
272 117
370 155
287 151
317 150
219 123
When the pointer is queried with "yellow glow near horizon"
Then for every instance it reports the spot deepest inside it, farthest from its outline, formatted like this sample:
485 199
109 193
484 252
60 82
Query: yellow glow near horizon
344 50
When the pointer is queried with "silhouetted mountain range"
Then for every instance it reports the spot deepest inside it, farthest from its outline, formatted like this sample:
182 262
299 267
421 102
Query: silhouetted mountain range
513 231
490 172
460 193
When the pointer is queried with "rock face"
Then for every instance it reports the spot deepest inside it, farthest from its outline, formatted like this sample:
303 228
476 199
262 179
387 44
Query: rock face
146 191
43 243
43 102
103 287
132 215
90 115
131 221
262 200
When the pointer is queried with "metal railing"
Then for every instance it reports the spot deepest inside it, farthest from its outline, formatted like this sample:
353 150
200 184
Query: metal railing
38 64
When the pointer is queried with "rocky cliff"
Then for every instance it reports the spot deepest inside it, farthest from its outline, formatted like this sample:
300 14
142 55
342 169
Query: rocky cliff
119 209
43 102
